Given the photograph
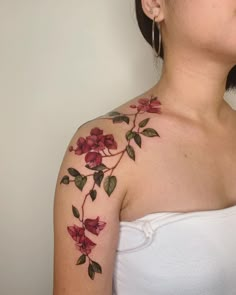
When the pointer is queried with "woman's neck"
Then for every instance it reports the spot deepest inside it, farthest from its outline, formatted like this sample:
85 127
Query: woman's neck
194 91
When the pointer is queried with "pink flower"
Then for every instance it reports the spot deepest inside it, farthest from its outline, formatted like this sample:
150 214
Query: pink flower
76 232
83 243
154 106
85 246
95 142
82 147
93 159
96 131
109 141
96 139
148 105
94 225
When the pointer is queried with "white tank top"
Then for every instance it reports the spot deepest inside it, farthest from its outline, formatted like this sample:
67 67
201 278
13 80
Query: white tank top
174 253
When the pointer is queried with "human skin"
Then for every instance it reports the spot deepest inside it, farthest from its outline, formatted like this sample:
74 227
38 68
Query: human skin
178 165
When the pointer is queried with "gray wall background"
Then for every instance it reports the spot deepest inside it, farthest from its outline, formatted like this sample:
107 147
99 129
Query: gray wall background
61 64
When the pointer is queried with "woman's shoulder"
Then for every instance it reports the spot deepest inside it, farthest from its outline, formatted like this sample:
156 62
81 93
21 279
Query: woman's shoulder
131 112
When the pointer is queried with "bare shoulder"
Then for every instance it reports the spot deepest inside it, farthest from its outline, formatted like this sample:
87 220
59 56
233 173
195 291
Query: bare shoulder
133 122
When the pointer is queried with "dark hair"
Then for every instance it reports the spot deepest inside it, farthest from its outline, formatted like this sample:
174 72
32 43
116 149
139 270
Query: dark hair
145 25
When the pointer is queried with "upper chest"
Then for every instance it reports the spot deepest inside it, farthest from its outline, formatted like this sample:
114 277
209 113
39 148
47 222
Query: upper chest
183 169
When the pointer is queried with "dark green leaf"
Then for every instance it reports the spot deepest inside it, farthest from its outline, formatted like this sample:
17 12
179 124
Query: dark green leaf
143 123
98 167
130 152
153 98
150 132
80 181
137 139
130 134
98 177
65 179
109 184
113 113
93 194
119 119
73 172
75 211
96 267
81 259
91 271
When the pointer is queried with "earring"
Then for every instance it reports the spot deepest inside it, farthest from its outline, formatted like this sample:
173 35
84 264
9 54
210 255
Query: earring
156 54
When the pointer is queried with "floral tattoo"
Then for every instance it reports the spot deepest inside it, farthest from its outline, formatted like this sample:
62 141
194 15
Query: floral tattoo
97 146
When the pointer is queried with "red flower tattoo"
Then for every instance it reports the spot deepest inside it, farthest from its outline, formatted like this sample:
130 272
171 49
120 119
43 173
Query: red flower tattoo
147 105
96 146
85 246
76 232
93 159
94 225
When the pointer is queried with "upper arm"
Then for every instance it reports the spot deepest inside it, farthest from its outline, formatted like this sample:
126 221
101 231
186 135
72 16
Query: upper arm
88 196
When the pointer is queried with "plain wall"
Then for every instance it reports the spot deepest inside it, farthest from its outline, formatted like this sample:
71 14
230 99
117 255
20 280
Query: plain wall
62 63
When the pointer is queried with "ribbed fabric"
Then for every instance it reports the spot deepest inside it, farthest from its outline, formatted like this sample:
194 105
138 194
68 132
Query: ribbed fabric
171 253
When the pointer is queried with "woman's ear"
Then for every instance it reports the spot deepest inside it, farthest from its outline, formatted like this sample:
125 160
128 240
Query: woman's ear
153 8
